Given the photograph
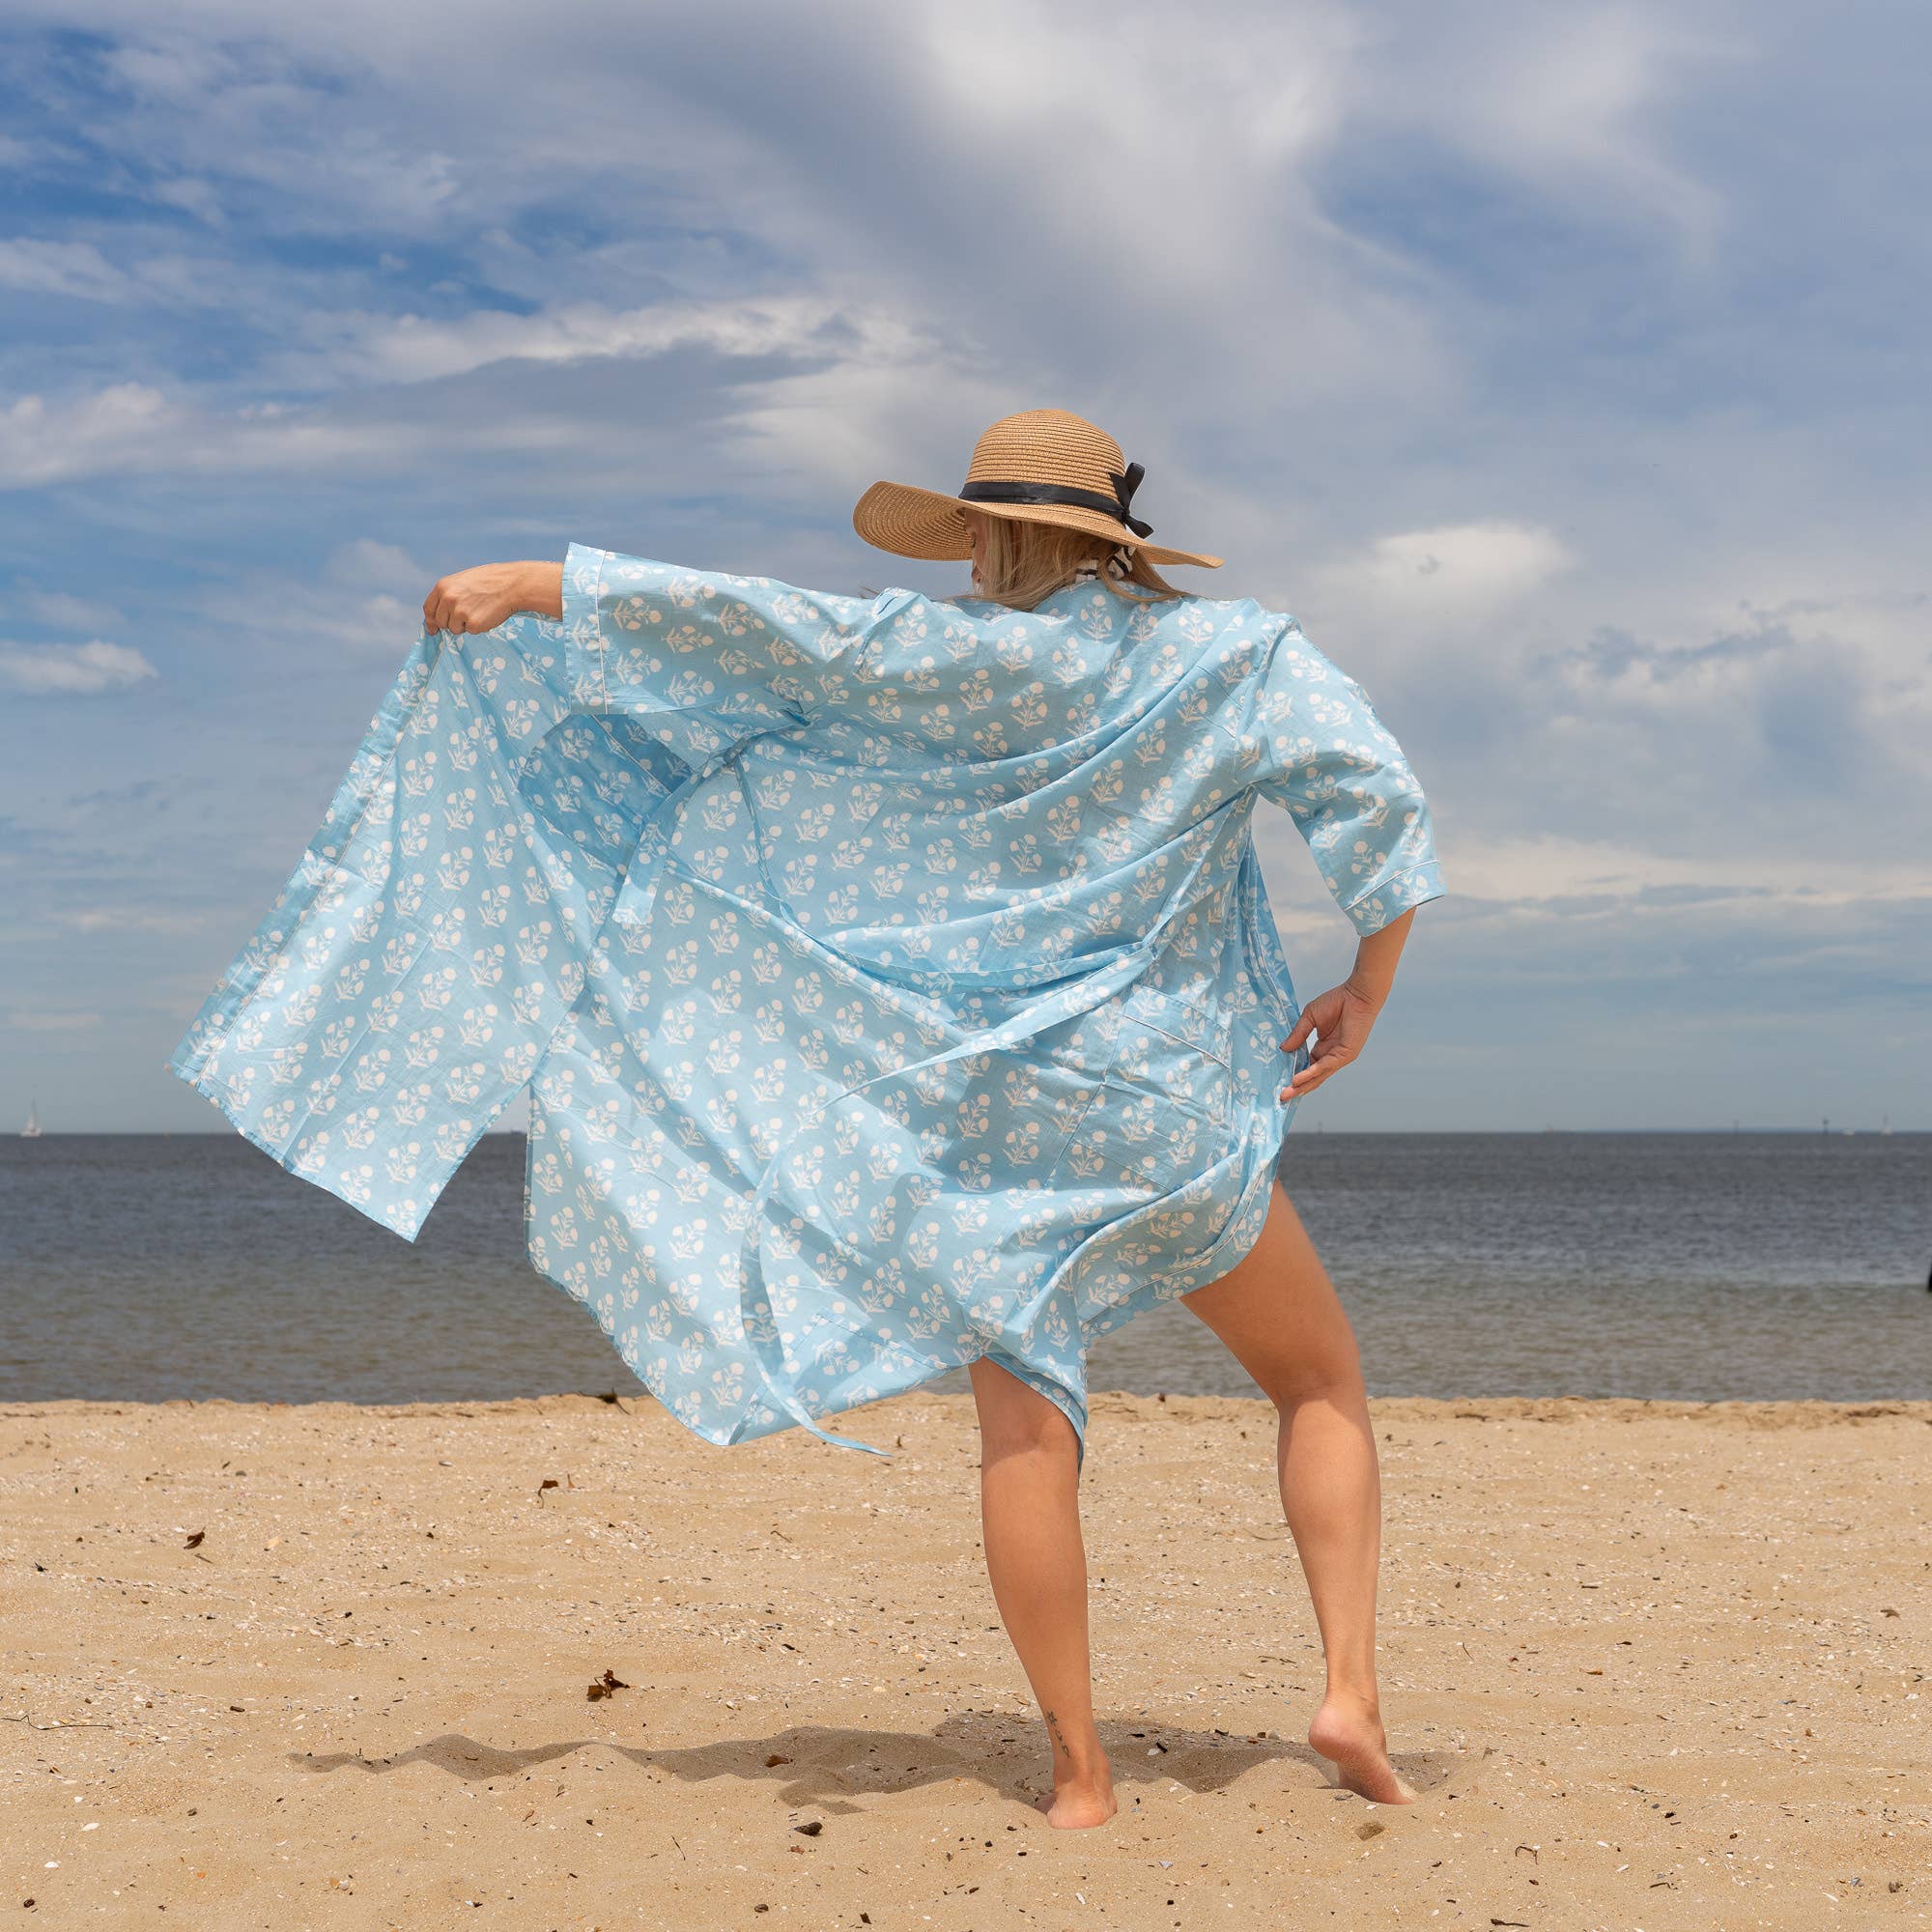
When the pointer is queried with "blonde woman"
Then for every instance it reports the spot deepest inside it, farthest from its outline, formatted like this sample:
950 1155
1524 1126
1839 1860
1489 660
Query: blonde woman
895 988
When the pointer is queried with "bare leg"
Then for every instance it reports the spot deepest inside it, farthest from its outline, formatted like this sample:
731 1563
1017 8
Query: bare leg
1280 1317
1030 1517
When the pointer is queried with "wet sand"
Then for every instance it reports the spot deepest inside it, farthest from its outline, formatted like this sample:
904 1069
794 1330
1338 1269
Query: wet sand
1651 1665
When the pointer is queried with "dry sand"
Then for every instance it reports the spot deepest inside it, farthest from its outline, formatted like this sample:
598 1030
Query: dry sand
1653 1666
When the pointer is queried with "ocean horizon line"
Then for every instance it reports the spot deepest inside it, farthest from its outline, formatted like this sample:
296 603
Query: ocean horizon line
1818 1132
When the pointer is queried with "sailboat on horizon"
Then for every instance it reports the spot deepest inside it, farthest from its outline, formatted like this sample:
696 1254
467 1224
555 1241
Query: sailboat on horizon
31 1130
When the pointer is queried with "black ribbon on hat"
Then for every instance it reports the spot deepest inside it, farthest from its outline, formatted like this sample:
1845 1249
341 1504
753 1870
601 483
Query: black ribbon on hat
1119 504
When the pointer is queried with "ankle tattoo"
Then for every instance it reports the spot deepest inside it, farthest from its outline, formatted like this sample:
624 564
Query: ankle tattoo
1053 1731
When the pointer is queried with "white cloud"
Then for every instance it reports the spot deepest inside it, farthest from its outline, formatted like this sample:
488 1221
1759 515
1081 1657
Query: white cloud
368 597
379 623
65 612
424 348
192 196
60 268
367 565
42 670
1526 871
378 605
1453 575
179 72
130 427
39 1020
120 919
42 441
1570 103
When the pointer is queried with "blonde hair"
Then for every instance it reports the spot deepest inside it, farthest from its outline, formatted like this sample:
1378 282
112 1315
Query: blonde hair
1023 562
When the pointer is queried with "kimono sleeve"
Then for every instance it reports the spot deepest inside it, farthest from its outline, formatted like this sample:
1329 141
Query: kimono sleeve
1331 763
703 660
415 969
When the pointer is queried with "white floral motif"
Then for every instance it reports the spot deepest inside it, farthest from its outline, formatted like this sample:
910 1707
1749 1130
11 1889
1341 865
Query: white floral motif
892 977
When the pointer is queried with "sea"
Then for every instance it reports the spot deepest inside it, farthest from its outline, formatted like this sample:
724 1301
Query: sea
1752 1266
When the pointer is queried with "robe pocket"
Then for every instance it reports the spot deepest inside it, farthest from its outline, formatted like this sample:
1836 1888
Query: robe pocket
1203 1023
1161 1112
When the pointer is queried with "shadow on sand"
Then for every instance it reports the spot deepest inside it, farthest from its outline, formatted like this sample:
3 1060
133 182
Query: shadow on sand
829 1768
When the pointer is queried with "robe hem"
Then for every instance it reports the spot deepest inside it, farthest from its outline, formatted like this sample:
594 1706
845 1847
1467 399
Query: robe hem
178 1066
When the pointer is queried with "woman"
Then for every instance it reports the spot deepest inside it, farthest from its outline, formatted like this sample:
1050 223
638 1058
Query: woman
895 988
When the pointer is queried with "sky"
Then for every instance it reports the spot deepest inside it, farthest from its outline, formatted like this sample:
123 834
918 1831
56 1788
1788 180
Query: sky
1561 367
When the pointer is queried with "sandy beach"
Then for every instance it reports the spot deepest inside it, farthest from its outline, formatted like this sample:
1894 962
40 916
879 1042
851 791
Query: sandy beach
1651 1665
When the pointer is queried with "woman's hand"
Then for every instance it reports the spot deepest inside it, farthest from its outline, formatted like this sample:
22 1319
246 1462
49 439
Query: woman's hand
480 599
1339 1020
1340 1017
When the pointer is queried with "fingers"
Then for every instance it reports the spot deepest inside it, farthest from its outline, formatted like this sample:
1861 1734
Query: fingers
1327 1057
1309 1078
1304 1026
1324 1012
443 609
470 603
1338 1026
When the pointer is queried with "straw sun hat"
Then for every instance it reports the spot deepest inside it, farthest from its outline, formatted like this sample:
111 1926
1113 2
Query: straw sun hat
1039 467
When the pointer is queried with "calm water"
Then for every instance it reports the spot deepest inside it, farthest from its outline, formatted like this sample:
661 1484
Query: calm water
1684 1266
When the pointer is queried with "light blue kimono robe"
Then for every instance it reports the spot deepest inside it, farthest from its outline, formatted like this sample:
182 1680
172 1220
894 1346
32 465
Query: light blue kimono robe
892 978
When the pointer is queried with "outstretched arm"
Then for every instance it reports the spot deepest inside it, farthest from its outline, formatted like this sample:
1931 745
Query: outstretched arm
473 601
705 660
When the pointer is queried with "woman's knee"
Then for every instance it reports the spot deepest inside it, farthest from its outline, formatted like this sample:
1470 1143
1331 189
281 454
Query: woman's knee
1332 1375
1028 1431
1016 1419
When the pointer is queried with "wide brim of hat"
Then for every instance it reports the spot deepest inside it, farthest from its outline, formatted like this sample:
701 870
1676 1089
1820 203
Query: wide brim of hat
911 522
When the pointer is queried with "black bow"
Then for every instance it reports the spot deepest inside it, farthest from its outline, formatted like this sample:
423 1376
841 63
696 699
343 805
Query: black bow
1123 489
1120 505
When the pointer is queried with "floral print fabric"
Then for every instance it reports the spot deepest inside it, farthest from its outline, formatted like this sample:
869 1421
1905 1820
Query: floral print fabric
892 978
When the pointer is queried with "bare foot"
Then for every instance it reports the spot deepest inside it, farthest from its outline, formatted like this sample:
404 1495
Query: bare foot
1351 1734
1079 1803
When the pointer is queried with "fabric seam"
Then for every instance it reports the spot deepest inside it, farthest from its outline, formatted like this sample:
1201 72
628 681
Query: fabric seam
1422 866
1181 1039
597 629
